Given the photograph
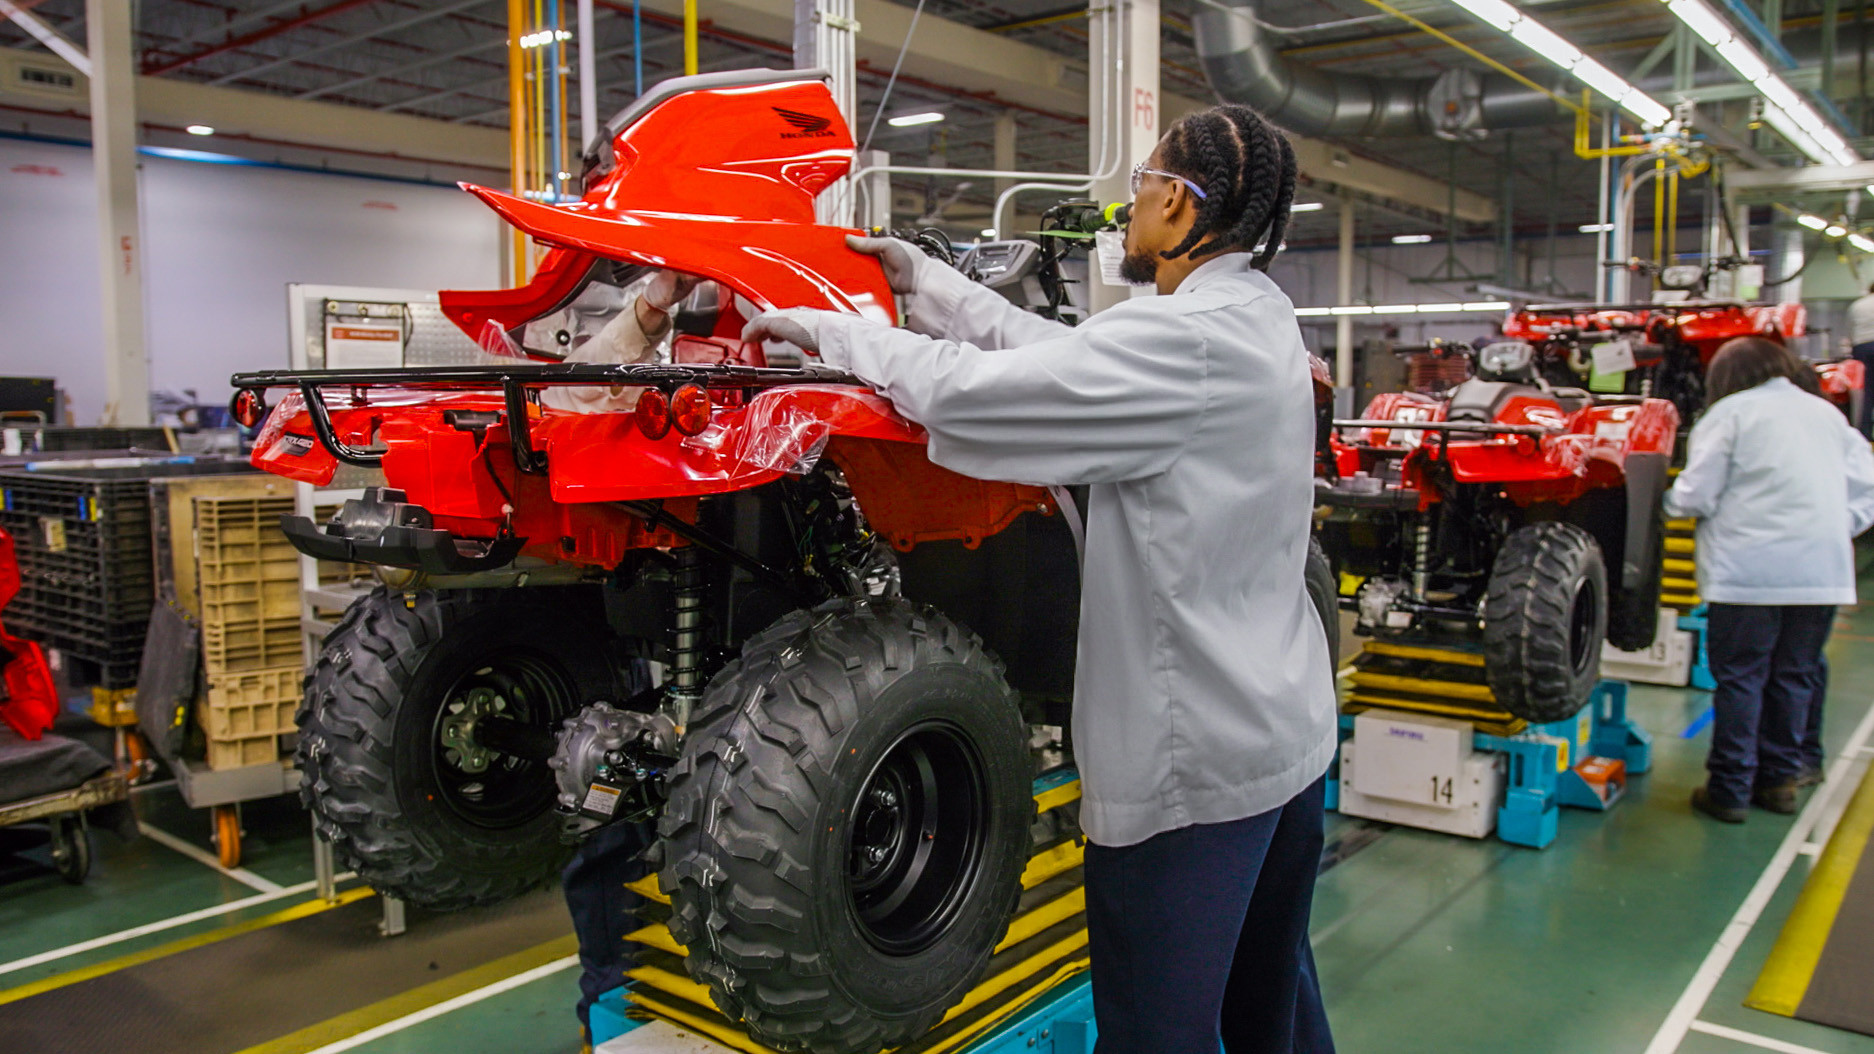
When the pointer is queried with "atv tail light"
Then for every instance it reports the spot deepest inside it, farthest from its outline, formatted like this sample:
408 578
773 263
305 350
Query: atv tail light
653 413
248 408
689 409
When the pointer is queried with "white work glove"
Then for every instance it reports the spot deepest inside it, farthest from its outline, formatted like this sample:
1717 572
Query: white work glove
799 326
667 289
906 266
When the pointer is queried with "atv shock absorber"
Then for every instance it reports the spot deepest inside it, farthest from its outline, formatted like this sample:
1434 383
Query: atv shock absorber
1421 559
686 635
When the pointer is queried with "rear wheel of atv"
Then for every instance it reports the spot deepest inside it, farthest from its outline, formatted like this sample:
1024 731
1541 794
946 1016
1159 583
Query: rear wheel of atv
1633 614
388 763
1324 592
847 827
1544 618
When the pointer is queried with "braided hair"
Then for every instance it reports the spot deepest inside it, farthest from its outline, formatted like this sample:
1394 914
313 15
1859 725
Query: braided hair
1248 170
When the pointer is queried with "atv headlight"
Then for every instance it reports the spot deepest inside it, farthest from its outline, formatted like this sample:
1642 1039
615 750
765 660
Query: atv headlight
1505 359
1680 276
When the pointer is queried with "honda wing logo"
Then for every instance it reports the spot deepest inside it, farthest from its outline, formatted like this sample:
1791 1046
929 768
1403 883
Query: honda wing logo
808 125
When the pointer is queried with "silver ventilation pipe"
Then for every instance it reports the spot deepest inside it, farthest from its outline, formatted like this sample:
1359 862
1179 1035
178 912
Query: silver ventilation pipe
1244 65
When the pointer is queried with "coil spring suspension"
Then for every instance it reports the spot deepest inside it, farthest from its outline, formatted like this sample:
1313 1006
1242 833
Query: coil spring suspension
685 686
1421 560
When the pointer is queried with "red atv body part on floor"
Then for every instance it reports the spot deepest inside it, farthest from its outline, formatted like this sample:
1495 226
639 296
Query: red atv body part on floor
32 700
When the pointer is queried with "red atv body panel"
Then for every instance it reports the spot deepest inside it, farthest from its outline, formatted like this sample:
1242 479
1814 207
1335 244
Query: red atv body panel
713 182
1704 326
719 183
32 700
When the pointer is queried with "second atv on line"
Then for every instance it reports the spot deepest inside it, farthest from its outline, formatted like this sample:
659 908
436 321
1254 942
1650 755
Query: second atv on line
854 642
1505 514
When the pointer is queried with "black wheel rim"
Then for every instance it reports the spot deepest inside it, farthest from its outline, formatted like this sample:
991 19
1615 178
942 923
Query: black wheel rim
503 791
1583 614
914 846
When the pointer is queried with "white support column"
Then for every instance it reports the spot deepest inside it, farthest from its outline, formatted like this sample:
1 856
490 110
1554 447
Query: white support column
1123 106
120 239
1005 157
1343 325
588 77
824 33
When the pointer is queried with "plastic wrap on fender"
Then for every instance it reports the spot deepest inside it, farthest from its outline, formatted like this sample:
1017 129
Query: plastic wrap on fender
774 432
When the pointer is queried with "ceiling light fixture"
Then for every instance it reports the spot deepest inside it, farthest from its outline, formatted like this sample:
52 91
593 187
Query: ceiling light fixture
1784 110
201 129
1835 230
1317 206
1550 45
1814 223
1475 307
1411 239
1861 242
1595 228
912 119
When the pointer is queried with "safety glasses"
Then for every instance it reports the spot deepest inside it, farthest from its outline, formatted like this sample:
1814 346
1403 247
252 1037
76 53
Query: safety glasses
1139 172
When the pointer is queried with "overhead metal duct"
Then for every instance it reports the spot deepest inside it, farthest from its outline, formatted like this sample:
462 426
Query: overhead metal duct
1243 65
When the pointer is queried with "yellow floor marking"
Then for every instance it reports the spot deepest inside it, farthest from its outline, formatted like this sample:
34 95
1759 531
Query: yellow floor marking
86 973
1786 974
1055 911
1050 862
1014 975
349 1024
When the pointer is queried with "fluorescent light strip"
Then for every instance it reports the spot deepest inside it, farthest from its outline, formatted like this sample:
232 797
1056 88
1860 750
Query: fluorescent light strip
1785 110
1490 306
1861 242
1550 45
1307 206
1411 239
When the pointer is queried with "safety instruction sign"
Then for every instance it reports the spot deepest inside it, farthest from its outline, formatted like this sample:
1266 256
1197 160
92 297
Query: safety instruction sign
363 344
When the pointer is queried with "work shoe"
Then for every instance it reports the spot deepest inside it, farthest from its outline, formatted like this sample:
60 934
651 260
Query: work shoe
1809 776
1701 802
1780 799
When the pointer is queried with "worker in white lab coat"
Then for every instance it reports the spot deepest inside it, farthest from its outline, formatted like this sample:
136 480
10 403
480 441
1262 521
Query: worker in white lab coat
1204 705
1781 484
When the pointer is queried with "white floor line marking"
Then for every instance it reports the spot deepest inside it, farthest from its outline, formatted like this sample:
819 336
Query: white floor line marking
1672 1031
156 927
1740 1036
1811 849
449 1006
197 853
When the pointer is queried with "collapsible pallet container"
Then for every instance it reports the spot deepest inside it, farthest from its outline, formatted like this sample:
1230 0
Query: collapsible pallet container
244 714
248 575
82 533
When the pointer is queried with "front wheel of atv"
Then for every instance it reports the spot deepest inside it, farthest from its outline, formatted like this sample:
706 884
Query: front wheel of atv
387 760
1544 618
847 827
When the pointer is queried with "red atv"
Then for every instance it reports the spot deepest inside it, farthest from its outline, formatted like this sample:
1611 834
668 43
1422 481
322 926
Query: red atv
31 703
839 769
1507 512
1666 347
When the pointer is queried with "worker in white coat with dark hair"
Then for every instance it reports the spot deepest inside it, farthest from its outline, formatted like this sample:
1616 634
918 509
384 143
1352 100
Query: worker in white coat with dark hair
1204 714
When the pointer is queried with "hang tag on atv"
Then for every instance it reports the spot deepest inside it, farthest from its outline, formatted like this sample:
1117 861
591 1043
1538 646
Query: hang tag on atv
1110 246
1613 356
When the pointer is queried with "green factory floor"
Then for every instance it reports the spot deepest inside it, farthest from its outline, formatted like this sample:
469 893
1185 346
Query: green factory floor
1425 942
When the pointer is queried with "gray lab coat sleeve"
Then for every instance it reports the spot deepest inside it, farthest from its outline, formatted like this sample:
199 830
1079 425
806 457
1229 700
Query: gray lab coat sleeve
1859 462
1115 399
952 307
1707 465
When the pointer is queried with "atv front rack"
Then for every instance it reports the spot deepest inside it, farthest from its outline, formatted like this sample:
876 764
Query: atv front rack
514 382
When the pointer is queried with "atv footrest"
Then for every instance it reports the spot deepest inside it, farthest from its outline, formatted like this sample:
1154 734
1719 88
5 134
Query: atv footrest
382 528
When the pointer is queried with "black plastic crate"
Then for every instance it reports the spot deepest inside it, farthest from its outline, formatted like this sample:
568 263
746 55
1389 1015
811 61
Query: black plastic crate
58 437
82 533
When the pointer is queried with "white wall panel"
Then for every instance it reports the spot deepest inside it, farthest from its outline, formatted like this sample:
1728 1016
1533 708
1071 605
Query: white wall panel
221 244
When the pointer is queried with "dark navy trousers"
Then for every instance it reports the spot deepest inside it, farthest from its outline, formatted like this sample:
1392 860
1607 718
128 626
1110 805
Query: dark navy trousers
1201 934
1767 660
603 910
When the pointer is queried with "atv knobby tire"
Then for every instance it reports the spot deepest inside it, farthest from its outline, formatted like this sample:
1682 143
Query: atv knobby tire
381 785
818 914
1544 619
1324 593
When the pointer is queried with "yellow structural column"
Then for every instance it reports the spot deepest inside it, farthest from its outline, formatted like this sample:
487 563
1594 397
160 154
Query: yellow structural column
517 129
689 37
